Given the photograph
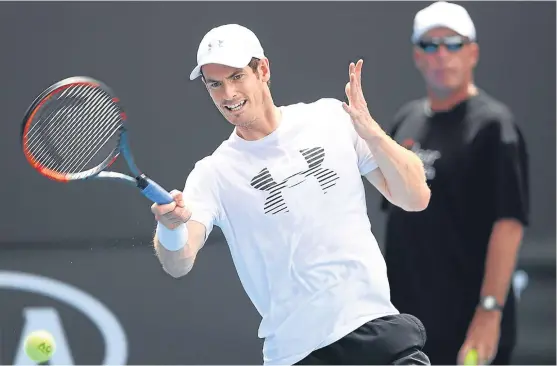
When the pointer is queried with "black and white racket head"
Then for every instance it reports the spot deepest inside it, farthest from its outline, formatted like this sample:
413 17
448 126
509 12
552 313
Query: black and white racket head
72 129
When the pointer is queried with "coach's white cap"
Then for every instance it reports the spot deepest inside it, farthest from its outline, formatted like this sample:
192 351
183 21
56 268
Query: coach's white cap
446 15
231 45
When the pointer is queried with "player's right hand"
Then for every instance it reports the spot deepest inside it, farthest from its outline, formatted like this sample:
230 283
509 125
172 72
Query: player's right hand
172 214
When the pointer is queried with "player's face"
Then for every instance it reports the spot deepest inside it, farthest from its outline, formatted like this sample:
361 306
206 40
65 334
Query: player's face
239 94
447 66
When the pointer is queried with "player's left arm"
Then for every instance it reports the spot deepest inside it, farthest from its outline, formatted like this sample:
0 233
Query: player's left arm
400 176
507 155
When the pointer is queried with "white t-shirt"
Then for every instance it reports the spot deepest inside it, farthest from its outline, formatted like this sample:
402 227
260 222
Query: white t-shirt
292 208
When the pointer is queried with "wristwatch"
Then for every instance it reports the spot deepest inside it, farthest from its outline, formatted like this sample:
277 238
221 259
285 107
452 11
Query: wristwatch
489 303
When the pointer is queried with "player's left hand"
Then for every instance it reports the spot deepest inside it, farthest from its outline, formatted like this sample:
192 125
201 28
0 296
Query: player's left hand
483 336
363 122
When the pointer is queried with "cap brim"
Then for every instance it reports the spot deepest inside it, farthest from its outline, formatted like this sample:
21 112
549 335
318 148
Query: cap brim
417 35
195 72
231 60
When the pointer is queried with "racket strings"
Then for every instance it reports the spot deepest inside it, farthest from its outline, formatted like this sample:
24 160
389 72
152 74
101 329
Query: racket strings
63 129
72 128
56 131
41 125
61 125
72 149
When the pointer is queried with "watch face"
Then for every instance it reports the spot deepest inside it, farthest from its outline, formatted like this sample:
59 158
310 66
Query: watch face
490 303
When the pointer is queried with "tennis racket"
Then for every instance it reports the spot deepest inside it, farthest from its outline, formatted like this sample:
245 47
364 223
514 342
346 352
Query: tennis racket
75 130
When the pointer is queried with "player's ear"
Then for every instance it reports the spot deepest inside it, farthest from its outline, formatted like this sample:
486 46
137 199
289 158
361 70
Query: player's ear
264 69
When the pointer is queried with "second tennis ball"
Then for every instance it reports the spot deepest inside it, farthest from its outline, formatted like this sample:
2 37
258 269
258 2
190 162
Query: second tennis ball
471 357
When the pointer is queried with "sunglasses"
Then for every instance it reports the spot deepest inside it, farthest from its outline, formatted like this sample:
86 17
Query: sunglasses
452 44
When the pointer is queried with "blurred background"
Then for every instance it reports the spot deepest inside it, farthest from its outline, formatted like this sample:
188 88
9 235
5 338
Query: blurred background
120 307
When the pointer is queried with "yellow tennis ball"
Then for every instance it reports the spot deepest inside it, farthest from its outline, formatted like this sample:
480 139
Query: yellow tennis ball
471 357
40 346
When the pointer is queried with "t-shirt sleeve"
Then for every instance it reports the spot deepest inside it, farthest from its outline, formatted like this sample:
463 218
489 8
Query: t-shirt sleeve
509 161
201 196
366 161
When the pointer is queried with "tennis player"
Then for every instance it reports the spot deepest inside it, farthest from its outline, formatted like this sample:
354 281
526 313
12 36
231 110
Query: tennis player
286 190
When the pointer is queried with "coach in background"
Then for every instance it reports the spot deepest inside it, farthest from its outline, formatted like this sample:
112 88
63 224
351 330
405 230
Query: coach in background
451 265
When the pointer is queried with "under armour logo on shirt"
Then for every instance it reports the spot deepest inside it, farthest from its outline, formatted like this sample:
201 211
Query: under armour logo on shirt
275 203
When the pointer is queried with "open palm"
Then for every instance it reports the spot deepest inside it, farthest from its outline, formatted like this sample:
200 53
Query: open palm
363 123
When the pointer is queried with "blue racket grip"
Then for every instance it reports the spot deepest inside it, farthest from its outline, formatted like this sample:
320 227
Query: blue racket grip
153 191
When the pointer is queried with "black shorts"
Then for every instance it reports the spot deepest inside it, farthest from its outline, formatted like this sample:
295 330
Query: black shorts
389 340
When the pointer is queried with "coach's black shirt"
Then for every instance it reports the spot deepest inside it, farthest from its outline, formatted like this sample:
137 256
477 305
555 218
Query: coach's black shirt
476 167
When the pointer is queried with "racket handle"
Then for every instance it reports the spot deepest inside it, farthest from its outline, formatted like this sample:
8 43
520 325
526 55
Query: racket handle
153 191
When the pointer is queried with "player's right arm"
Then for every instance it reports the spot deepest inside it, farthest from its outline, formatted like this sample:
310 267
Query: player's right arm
184 225
177 239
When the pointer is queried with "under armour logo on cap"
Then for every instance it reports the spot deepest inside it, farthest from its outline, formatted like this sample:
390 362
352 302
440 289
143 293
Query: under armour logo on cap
217 43
275 203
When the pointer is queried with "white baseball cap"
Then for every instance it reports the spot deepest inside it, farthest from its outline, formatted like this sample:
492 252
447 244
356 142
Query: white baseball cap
446 15
231 45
